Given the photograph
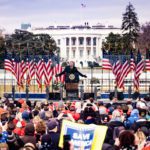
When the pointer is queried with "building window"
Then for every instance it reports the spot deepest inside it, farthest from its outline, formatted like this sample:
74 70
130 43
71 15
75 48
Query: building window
88 41
88 52
81 40
58 41
81 52
94 41
74 53
67 41
73 41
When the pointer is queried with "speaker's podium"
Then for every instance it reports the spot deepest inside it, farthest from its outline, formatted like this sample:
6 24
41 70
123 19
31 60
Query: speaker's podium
72 91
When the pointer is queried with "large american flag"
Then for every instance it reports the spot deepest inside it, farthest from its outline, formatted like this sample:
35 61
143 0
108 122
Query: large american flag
125 69
116 69
138 70
8 64
147 61
31 70
106 64
48 72
56 70
23 67
83 5
39 72
17 70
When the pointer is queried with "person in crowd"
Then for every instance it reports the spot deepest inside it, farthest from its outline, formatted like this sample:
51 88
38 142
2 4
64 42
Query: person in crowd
28 146
38 126
29 134
46 143
52 130
40 129
126 141
140 139
134 116
4 146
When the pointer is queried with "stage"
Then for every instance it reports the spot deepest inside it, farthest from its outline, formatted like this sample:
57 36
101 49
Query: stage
56 96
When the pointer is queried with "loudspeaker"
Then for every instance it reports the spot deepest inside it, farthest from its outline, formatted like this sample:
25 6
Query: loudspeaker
120 95
72 95
88 95
54 96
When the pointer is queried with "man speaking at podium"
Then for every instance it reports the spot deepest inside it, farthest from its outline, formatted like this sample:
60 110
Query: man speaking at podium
71 73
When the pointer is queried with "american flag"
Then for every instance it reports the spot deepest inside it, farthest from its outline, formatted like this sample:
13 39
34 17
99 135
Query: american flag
106 64
23 67
48 72
36 67
56 70
31 70
138 70
147 61
83 5
132 61
116 69
125 69
17 70
8 64
39 72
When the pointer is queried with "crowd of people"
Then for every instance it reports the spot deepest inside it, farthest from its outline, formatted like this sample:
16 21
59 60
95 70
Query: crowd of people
25 125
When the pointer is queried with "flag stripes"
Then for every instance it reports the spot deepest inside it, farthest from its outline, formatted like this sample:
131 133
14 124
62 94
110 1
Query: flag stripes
106 64
44 70
125 69
56 70
122 69
40 69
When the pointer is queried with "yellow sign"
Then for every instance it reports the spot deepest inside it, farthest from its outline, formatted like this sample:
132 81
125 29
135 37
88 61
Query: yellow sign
83 137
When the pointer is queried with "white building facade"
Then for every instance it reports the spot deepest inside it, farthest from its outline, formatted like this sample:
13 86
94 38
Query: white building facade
79 43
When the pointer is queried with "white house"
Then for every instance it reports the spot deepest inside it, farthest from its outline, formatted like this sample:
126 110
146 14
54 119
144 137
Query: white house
81 43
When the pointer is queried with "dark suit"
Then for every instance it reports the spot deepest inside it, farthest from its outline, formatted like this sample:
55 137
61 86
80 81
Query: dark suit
67 71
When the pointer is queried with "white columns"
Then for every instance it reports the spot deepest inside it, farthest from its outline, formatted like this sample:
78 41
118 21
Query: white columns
99 47
70 49
84 48
77 48
92 54
63 52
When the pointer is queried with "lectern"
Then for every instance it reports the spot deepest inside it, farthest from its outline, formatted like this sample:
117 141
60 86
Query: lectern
71 87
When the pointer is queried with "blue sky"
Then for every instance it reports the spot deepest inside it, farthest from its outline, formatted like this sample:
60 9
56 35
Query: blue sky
42 13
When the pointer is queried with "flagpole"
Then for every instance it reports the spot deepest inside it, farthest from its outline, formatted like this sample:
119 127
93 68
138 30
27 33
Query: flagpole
19 61
4 80
5 70
34 67
102 70
145 76
109 69
13 63
13 85
132 67
147 57
27 73
131 79
42 73
102 80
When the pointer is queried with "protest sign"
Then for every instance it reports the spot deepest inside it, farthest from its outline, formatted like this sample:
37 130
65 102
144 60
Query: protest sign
83 137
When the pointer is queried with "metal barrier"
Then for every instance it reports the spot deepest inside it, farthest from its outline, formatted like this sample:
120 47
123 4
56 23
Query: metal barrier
104 86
